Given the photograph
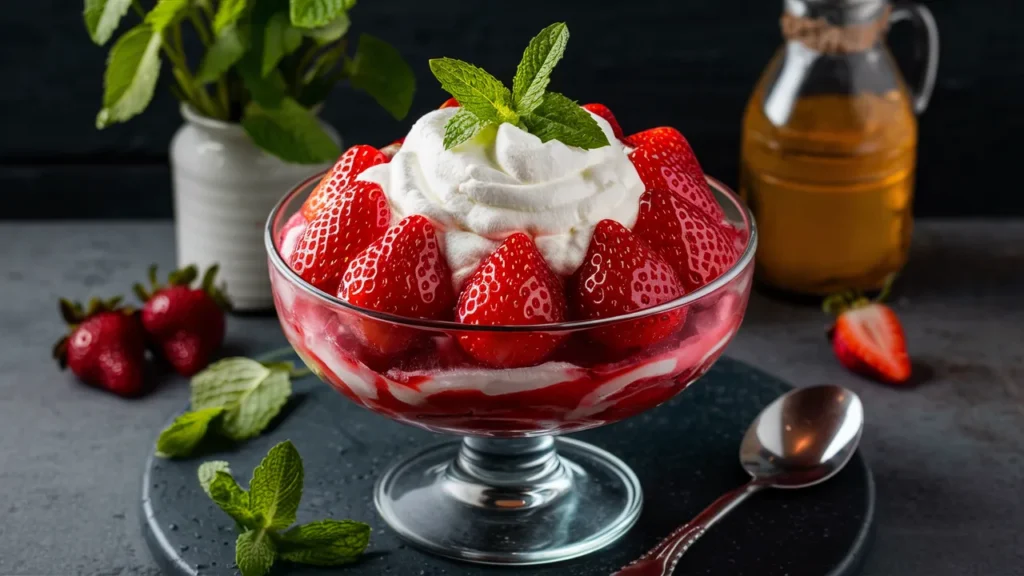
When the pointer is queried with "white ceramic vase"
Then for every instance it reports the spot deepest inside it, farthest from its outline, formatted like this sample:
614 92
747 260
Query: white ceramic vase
224 188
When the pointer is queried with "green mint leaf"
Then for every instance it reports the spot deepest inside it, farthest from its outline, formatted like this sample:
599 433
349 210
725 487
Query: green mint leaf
207 472
184 434
314 13
132 71
293 134
331 32
102 17
229 497
165 13
227 49
266 90
228 13
276 486
559 118
475 89
279 40
250 393
461 127
534 71
379 70
325 543
254 553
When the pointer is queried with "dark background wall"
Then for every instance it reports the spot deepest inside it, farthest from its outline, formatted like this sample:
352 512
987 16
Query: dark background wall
686 63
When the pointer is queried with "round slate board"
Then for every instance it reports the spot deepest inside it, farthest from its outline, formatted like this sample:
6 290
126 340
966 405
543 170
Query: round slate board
684 452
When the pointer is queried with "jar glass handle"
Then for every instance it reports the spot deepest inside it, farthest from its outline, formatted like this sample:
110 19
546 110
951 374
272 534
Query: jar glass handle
928 33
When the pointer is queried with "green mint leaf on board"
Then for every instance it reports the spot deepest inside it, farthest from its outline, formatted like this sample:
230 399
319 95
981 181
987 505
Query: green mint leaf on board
184 434
165 13
534 71
379 70
228 13
229 497
460 128
325 543
250 394
289 132
102 17
227 49
475 89
276 486
255 553
559 118
313 13
207 472
133 68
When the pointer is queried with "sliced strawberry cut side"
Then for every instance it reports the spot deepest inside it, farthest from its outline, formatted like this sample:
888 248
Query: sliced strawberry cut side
350 165
603 111
698 248
403 273
869 340
664 159
512 287
621 274
360 216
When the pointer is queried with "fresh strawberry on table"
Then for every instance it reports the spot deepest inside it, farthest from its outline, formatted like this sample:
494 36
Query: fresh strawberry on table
868 338
622 274
357 216
512 287
105 346
697 247
351 164
403 273
184 324
603 111
664 159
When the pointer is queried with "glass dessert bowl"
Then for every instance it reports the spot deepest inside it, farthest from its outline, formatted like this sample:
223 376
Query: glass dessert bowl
468 499
514 269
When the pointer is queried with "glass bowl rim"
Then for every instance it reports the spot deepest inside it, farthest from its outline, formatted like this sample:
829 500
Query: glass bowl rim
741 264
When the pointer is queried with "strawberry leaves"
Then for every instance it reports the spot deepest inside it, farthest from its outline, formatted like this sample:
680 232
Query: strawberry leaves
486 101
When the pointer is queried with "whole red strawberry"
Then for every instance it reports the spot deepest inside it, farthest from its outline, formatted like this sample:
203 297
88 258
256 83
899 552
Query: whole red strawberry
868 338
697 247
184 324
622 274
665 160
355 217
603 111
513 286
403 273
351 164
105 347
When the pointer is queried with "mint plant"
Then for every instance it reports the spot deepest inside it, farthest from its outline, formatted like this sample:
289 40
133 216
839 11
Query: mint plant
268 508
485 101
266 64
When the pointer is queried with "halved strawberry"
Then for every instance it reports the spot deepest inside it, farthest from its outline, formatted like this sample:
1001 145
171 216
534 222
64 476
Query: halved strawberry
351 164
403 273
664 159
622 274
449 103
698 248
358 217
512 287
603 111
868 338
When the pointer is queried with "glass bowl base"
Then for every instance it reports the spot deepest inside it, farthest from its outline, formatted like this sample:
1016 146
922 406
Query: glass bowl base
512 502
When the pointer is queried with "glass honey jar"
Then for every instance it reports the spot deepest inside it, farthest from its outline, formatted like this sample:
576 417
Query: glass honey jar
829 147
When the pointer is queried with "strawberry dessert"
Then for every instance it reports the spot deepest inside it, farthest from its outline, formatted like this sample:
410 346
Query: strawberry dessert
515 265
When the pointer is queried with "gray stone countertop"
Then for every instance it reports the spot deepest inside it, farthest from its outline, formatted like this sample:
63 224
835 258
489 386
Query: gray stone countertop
948 454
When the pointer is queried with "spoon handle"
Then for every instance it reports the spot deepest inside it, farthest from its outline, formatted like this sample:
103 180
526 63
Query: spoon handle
662 559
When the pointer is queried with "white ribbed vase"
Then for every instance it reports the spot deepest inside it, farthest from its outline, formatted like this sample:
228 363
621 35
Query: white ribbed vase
224 188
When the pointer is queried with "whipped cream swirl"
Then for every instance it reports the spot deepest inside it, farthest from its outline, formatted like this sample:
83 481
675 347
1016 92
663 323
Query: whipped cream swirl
505 180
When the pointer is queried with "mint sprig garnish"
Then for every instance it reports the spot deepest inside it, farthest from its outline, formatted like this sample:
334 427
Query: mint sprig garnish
235 398
484 100
269 507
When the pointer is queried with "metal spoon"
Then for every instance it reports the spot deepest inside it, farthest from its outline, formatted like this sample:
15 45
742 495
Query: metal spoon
801 439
